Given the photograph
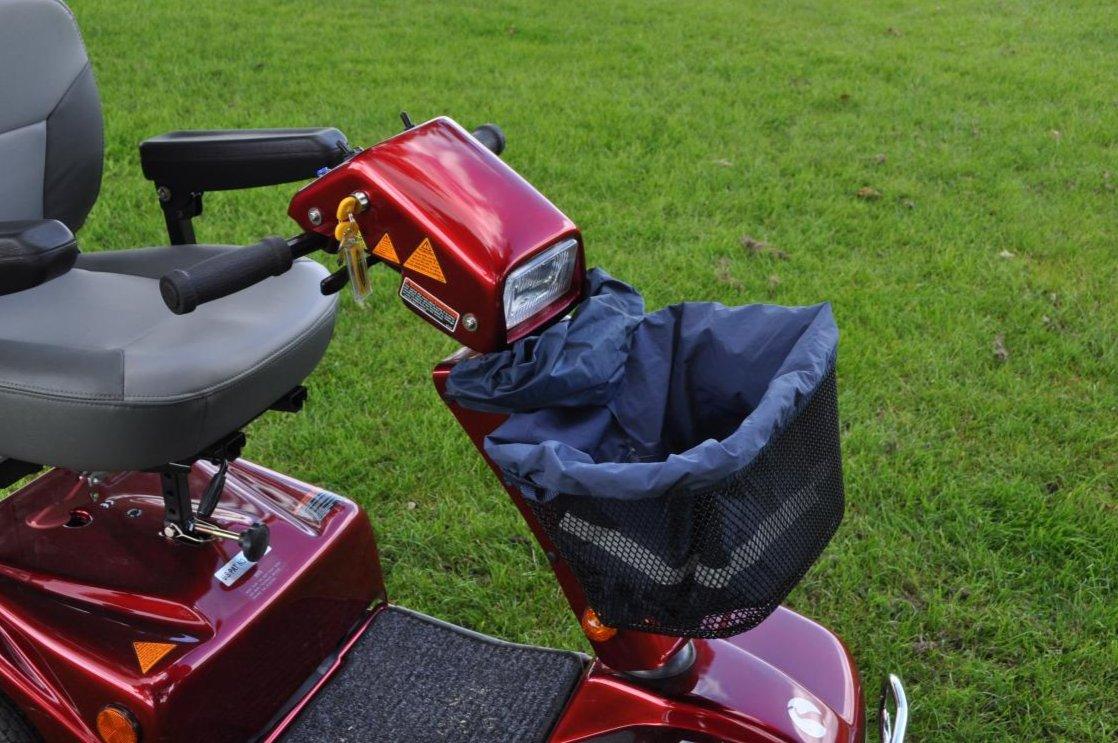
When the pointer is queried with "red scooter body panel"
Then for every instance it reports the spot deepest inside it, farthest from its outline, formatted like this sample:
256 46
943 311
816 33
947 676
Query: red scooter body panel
437 183
74 598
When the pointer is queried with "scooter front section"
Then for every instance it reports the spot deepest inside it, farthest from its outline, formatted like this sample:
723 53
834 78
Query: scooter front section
787 679
188 641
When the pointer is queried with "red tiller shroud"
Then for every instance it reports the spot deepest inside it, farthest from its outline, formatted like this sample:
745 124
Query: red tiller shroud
436 183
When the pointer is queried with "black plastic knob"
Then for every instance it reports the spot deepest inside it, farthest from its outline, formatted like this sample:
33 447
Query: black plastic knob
254 541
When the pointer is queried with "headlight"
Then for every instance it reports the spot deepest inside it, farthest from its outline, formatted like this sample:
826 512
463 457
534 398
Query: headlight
539 282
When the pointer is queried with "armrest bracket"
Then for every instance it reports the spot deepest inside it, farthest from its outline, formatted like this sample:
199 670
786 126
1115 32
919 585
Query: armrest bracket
179 210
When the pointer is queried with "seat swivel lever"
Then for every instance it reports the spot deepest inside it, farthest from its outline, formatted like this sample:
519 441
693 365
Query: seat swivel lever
181 523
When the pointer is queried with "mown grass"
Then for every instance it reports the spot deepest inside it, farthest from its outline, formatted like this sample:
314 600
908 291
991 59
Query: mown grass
979 551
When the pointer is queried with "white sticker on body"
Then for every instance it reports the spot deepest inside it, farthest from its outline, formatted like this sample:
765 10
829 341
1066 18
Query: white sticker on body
231 572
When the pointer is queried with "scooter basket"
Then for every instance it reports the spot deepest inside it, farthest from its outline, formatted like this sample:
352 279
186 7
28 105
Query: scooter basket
716 562
685 464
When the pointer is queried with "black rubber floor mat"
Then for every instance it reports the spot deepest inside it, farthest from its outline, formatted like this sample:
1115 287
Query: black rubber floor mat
413 678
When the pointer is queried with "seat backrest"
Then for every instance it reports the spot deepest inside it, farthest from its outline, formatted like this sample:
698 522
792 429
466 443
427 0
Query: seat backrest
51 140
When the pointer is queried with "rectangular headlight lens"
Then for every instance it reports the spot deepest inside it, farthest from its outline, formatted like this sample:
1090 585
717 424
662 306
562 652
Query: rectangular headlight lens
539 282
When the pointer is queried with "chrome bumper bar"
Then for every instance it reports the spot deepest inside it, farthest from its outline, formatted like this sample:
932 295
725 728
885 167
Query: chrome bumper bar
893 723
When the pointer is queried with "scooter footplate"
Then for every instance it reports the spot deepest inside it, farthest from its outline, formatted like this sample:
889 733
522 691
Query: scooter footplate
414 678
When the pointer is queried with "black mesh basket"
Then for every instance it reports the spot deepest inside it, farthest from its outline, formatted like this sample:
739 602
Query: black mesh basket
717 562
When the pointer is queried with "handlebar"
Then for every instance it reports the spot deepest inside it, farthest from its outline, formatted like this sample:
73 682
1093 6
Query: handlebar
491 136
184 289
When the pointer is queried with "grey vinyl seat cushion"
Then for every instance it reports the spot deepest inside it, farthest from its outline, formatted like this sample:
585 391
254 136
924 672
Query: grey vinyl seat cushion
97 374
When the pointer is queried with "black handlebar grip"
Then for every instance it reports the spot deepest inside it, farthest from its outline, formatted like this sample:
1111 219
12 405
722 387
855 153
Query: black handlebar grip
183 289
492 137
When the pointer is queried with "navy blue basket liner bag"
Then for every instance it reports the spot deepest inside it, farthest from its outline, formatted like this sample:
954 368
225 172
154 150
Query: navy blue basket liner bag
685 463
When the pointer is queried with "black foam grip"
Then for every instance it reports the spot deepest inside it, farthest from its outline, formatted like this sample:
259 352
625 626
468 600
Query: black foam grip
185 288
491 136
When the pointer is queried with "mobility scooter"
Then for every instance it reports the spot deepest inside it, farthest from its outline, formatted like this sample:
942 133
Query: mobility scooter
154 586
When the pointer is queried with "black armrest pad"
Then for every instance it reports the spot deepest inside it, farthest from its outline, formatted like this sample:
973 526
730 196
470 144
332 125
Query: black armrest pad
33 251
222 159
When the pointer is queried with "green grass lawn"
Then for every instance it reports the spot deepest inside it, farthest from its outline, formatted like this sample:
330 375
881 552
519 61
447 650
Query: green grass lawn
945 173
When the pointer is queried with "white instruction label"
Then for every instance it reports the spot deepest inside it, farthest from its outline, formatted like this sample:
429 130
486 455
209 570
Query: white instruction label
231 572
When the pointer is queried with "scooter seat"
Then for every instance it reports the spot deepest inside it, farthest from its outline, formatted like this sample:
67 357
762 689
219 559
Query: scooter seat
97 374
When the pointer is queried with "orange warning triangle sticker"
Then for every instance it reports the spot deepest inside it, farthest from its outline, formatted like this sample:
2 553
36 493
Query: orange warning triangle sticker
386 250
150 653
423 261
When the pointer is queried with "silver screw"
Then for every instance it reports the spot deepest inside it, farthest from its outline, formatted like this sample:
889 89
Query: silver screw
469 322
163 193
314 215
362 200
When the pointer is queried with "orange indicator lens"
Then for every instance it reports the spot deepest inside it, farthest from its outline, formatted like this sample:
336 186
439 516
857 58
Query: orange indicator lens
116 725
594 628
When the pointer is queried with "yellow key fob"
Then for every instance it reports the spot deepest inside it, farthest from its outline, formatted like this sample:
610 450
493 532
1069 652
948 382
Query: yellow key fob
352 252
352 249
